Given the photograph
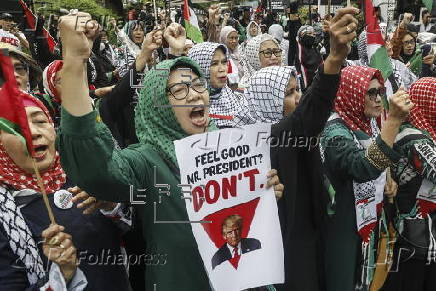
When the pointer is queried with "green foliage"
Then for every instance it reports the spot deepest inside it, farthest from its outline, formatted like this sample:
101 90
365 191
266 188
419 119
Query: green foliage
90 6
303 13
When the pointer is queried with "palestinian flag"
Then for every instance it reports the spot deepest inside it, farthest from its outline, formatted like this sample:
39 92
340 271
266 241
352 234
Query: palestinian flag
428 4
31 23
13 118
193 31
377 53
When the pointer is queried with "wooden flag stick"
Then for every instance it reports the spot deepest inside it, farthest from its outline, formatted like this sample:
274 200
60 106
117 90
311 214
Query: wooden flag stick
348 3
44 193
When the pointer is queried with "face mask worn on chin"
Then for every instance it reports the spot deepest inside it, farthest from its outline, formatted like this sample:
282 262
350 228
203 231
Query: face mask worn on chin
307 40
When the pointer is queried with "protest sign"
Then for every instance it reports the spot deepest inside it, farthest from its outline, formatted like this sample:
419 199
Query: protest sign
239 236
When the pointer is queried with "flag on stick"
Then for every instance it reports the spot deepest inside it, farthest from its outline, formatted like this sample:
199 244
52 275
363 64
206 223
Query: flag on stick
31 23
377 53
192 28
13 117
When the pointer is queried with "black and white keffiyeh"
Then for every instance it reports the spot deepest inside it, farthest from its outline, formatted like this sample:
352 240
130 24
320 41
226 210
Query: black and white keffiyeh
202 53
230 103
224 102
266 92
20 237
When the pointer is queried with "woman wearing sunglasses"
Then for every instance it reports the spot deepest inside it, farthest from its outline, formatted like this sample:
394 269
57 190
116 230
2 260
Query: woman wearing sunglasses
355 156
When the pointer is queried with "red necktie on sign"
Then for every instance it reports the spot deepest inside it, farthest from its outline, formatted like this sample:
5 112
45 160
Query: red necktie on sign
235 259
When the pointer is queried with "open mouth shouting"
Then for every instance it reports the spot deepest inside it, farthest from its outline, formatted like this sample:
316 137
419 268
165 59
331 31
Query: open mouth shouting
40 152
198 116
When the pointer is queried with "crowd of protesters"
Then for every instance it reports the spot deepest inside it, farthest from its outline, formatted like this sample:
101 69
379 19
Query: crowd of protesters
360 202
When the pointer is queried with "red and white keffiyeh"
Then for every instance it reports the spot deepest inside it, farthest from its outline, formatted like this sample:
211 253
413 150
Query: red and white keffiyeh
48 79
423 114
350 101
14 176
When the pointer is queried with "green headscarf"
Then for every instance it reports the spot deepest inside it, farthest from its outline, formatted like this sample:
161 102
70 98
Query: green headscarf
155 121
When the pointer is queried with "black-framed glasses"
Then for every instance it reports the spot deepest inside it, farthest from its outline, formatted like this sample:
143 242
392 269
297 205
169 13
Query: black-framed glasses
268 53
180 90
374 92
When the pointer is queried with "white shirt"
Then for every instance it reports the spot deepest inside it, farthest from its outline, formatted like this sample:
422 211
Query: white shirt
423 28
232 248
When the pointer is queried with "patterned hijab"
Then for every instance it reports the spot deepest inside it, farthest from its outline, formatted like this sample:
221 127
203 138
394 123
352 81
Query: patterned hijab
225 31
223 102
350 101
248 30
252 50
48 78
202 54
155 121
266 92
14 176
423 114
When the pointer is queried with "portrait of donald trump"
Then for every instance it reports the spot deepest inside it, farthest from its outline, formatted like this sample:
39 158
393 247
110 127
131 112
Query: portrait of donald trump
235 246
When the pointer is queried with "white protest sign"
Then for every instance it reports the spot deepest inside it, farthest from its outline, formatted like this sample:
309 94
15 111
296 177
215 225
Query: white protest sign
239 240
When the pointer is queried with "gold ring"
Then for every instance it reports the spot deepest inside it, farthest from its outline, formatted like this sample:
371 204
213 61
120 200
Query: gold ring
53 241
348 29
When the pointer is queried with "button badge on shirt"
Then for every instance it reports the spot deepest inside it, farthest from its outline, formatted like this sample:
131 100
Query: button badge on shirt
62 199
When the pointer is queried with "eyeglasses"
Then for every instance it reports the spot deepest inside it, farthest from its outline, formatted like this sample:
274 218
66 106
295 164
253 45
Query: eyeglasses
21 69
374 92
268 53
409 42
181 90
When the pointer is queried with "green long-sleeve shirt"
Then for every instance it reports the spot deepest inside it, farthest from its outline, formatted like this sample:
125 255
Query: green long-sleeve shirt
122 176
345 162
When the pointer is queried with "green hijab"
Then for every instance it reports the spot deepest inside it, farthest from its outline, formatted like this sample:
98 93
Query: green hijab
155 121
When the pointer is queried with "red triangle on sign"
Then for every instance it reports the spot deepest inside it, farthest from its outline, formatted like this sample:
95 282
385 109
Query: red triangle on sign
214 229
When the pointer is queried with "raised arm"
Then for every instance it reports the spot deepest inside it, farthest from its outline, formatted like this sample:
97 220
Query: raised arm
86 147
311 115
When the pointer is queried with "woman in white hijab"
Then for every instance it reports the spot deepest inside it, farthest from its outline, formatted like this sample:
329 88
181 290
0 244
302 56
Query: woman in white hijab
276 30
260 52
230 38
253 30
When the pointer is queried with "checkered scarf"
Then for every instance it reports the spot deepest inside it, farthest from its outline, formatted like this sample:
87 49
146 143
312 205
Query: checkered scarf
14 176
225 31
224 102
202 53
423 114
248 30
20 237
18 233
266 92
48 78
252 51
350 101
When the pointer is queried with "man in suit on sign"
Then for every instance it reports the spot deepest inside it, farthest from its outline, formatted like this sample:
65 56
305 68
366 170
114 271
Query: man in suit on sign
235 245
